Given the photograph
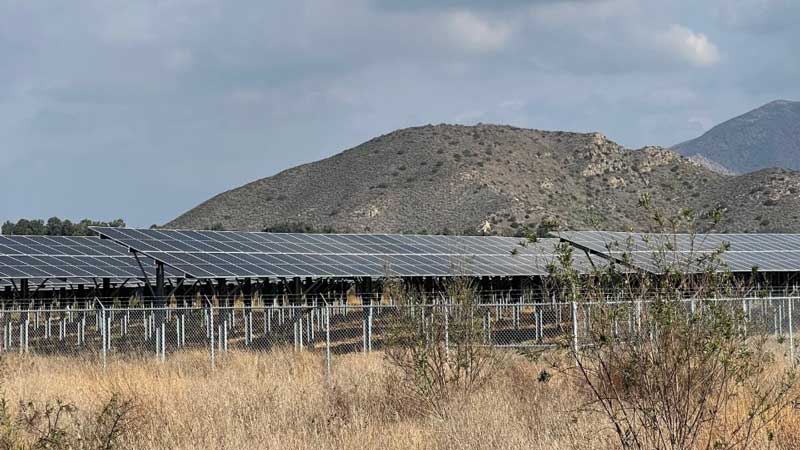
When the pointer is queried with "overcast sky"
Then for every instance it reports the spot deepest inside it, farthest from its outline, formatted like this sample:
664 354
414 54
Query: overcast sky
142 109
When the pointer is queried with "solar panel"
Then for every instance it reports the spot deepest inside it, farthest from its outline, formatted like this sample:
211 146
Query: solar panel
66 257
695 253
219 254
47 284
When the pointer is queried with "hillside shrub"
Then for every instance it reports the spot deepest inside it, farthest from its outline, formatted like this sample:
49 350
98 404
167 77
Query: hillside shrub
57 425
435 347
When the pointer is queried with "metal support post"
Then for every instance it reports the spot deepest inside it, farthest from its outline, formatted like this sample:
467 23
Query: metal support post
25 334
104 338
328 341
575 329
446 330
309 322
791 332
225 327
82 329
178 331
294 332
211 334
369 331
364 335
163 340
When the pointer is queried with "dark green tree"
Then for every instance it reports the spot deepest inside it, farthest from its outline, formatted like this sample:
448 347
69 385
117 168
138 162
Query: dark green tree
56 227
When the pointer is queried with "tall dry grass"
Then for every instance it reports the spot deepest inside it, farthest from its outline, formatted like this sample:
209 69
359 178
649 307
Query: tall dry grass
283 400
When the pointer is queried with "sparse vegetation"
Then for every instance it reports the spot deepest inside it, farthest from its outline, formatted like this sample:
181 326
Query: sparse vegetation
298 227
282 400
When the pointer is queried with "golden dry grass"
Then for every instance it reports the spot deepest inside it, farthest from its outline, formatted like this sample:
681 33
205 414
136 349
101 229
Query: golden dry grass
282 400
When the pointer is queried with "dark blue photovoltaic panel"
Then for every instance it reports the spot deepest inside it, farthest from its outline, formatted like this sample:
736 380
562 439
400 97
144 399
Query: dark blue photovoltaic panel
694 253
67 257
220 254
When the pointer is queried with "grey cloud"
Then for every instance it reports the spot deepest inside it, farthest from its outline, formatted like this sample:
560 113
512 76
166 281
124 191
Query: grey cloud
421 5
144 111
759 16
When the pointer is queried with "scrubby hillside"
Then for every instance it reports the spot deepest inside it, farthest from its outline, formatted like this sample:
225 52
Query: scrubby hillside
449 177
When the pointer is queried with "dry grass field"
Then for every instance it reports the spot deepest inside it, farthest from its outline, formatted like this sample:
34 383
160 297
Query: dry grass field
282 400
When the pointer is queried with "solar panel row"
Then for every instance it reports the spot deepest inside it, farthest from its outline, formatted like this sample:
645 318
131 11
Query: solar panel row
209 254
210 265
58 245
71 282
693 253
314 244
65 257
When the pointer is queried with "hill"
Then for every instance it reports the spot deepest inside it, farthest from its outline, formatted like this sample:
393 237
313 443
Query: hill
468 178
765 137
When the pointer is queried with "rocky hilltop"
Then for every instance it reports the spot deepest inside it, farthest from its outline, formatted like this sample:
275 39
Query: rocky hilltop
496 179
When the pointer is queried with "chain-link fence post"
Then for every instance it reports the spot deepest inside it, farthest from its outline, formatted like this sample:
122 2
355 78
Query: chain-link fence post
5 332
369 330
180 327
364 332
328 341
24 332
210 333
575 328
164 333
446 328
103 332
791 330
295 332
744 315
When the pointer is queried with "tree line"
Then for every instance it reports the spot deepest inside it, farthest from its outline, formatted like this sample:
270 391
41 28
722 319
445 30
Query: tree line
56 227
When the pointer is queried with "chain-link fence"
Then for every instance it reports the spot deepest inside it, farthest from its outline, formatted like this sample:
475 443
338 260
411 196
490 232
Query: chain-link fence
106 333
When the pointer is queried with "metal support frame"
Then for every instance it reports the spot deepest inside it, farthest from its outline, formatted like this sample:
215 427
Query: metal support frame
144 274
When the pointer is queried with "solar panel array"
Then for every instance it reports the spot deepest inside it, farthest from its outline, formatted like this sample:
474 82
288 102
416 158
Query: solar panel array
65 257
220 254
655 252
56 283
211 254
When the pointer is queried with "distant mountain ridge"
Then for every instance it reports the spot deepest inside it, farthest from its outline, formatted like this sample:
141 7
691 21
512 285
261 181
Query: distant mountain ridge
765 137
498 179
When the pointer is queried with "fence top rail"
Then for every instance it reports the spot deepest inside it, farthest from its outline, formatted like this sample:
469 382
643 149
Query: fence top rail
693 300
542 291
44 309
